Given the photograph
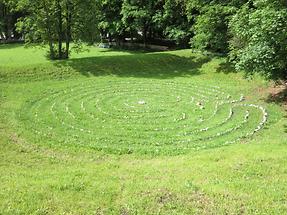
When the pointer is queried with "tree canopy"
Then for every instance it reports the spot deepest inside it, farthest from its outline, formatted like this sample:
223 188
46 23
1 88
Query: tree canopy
55 22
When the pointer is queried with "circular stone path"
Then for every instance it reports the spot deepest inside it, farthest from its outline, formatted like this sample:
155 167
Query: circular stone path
150 116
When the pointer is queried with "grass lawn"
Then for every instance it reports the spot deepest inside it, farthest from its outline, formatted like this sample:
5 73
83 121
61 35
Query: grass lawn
125 132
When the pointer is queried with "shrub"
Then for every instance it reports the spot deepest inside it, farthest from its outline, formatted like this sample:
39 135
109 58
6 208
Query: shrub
259 38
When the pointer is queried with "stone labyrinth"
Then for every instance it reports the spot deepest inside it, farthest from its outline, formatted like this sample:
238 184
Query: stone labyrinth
147 116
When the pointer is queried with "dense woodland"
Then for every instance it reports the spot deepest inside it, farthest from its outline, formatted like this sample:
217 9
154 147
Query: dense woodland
252 33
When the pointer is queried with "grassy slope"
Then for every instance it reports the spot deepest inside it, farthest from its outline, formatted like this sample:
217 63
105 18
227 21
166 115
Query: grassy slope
242 178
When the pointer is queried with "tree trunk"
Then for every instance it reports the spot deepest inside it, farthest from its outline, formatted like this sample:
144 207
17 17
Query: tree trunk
49 31
69 27
145 35
5 19
60 29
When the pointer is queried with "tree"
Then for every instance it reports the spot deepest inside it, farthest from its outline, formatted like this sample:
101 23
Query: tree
55 22
8 18
176 24
137 17
211 28
110 19
210 20
259 32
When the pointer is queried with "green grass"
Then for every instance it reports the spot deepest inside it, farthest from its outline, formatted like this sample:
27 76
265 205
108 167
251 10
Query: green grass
75 138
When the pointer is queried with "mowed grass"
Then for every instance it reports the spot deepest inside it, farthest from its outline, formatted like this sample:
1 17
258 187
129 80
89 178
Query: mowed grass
76 138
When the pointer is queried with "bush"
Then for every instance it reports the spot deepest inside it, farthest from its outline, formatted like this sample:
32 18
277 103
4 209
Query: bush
259 38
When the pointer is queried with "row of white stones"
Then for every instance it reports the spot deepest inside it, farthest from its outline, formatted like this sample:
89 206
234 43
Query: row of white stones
206 129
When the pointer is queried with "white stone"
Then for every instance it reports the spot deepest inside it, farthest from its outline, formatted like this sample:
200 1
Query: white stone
141 102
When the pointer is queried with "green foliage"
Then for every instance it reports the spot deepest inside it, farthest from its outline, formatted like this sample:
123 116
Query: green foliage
211 28
258 41
9 14
110 18
252 32
55 22
137 17
175 22
209 22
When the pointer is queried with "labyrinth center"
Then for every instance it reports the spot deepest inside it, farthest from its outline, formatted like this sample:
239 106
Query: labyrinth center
149 116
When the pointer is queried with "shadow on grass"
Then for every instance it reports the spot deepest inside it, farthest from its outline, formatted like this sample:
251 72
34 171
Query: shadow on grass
11 45
126 50
147 65
278 96
226 68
